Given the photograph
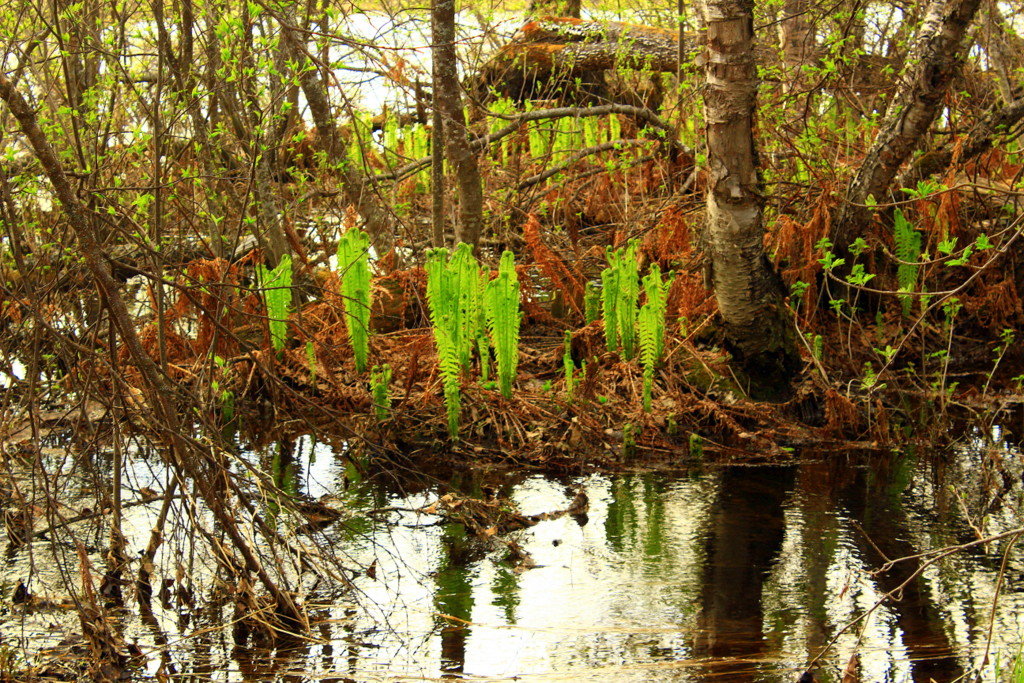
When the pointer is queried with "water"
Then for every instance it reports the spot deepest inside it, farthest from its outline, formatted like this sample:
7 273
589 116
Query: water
728 573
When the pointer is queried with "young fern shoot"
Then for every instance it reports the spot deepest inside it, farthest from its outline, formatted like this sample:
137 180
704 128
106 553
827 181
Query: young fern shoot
620 292
503 318
354 264
908 251
609 306
651 327
454 297
380 380
276 286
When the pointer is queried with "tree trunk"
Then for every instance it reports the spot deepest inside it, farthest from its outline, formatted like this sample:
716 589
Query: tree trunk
269 229
185 455
456 135
930 66
356 186
1004 50
986 132
799 42
562 50
749 294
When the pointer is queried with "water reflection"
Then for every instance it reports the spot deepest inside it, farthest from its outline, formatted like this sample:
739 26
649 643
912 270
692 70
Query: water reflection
874 499
733 573
728 573
745 533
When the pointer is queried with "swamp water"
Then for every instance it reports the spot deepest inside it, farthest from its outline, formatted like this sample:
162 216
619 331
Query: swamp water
737 573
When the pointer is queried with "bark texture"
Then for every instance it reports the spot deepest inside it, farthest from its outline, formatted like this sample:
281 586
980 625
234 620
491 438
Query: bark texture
456 134
930 67
748 292
798 39
574 46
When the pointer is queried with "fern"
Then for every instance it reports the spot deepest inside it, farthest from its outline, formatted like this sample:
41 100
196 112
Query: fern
380 379
502 108
362 132
651 327
503 318
441 300
454 295
484 349
276 286
614 128
621 303
354 263
564 142
590 131
908 250
418 147
538 139
610 304
568 365
656 289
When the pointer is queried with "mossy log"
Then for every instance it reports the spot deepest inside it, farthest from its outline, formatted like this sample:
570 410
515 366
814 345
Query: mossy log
549 52
554 57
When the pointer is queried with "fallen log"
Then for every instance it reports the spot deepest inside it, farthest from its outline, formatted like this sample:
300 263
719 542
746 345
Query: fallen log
552 51
569 58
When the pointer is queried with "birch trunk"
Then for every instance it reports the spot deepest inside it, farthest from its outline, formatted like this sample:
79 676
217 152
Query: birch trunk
749 295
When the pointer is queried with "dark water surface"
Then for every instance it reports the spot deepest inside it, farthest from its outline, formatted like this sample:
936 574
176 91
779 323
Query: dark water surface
732 573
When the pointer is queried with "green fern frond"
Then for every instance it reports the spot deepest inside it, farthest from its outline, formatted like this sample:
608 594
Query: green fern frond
648 349
610 306
362 132
503 320
590 131
614 128
454 295
380 380
568 365
354 265
651 326
908 249
657 289
276 286
484 349
620 300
